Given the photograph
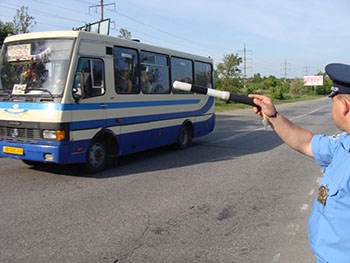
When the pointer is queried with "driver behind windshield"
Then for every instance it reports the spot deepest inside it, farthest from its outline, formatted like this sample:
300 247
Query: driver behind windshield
34 76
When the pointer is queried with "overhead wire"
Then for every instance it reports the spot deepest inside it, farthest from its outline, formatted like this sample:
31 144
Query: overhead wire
153 39
196 44
189 43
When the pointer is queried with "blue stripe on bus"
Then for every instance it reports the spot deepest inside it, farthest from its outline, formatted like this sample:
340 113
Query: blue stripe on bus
90 124
96 105
129 104
116 121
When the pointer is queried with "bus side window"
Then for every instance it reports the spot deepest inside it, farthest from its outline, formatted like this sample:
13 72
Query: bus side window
89 80
126 70
181 70
203 74
154 73
98 78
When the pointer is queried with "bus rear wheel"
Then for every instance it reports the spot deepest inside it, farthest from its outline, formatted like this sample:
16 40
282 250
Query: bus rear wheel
185 136
97 157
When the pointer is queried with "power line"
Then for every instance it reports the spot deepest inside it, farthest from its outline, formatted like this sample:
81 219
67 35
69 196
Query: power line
106 7
163 31
46 14
155 28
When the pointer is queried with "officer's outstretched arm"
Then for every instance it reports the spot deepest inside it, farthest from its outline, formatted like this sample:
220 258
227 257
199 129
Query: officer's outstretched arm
294 136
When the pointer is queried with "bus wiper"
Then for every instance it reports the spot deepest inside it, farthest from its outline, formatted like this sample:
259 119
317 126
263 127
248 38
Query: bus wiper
40 89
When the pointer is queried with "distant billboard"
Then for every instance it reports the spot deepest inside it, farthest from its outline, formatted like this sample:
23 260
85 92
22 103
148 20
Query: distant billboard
313 80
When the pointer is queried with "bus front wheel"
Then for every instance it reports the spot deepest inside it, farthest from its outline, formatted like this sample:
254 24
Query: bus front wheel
185 136
97 157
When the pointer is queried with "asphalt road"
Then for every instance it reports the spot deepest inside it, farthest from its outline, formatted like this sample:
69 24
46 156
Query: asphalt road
237 195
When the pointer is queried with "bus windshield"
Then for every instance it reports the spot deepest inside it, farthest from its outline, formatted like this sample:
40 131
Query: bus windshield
36 68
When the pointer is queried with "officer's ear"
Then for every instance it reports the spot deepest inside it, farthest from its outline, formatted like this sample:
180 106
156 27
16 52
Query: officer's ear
345 104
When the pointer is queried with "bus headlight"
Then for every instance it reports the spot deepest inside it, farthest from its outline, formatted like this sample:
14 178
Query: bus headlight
57 135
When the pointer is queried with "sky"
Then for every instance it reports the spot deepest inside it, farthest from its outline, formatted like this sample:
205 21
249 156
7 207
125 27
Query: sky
283 38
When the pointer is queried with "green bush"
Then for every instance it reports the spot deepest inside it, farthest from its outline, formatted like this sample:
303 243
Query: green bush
276 93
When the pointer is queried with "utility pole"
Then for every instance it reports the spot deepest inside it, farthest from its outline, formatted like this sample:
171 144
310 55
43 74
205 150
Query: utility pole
101 5
285 69
244 64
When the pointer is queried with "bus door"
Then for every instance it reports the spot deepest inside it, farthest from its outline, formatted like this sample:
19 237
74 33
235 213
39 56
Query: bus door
90 109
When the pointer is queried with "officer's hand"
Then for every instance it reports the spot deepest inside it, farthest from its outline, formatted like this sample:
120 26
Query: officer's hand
265 103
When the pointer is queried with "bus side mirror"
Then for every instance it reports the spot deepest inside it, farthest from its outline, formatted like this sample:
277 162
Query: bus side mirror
78 91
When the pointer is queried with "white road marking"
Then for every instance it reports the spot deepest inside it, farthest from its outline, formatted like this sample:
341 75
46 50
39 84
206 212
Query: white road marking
304 207
292 229
263 128
276 258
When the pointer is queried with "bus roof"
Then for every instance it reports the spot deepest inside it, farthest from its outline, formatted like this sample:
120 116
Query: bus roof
108 40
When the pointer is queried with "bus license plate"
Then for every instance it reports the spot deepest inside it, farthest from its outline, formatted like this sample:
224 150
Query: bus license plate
13 150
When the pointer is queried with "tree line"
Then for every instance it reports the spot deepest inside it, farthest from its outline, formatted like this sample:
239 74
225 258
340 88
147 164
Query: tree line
227 75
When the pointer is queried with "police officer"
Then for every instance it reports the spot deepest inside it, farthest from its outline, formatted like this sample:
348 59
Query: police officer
329 222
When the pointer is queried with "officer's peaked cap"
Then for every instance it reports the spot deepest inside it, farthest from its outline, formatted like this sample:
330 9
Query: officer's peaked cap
340 75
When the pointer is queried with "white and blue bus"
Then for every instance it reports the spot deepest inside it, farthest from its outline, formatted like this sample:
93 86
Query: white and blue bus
80 97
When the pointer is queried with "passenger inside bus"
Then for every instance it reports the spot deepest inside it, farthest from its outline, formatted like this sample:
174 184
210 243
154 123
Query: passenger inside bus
146 85
124 84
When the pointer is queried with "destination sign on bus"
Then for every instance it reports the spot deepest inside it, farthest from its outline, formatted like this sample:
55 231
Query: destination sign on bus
19 52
